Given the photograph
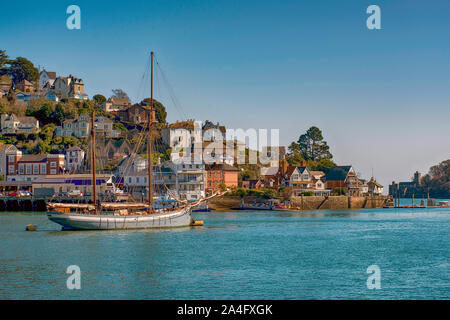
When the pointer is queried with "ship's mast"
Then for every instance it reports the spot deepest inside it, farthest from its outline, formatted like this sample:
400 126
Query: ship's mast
94 179
149 143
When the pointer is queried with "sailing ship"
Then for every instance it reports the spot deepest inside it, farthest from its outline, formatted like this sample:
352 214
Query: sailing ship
124 215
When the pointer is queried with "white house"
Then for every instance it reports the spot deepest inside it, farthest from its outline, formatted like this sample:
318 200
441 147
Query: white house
74 158
46 79
374 187
190 180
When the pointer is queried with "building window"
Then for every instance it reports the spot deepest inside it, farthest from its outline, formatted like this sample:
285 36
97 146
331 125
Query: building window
43 168
11 158
21 169
137 179
35 168
28 168
11 169
52 164
53 171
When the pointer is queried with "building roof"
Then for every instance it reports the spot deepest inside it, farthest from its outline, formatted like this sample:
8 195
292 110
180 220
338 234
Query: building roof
26 82
51 74
317 173
210 125
290 170
119 101
338 173
5 147
221 167
33 157
189 125
74 148
30 120
373 181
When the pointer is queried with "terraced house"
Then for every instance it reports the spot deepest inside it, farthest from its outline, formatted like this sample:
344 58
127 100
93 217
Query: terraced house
81 127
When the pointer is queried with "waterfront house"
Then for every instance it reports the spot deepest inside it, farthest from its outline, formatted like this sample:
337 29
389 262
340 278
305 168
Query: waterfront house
270 177
190 180
74 159
7 151
317 178
12 124
343 178
218 174
31 166
374 188
363 187
62 183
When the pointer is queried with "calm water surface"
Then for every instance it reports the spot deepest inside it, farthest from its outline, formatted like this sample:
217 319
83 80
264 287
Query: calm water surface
237 255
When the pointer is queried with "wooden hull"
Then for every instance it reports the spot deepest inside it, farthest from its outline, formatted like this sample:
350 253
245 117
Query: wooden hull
74 221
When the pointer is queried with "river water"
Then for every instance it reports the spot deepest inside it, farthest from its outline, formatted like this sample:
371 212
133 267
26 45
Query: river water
237 255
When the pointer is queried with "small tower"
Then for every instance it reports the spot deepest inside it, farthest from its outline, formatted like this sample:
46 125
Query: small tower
417 178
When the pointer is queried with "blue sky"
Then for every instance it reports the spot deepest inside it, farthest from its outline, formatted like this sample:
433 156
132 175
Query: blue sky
381 97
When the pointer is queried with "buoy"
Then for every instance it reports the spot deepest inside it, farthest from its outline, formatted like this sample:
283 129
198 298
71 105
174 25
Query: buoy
30 227
196 223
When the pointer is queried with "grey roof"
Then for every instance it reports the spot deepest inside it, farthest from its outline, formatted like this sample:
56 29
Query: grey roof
338 173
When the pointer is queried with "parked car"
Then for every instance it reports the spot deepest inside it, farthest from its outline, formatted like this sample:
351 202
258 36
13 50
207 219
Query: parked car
12 194
75 193
22 193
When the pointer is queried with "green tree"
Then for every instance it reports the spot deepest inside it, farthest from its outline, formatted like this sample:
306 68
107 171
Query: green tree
437 181
71 142
119 126
44 147
322 165
22 69
294 157
3 61
99 99
43 114
312 146
47 132
58 115
57 141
